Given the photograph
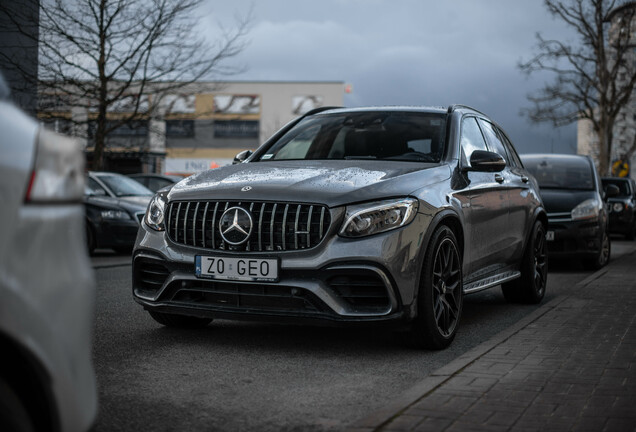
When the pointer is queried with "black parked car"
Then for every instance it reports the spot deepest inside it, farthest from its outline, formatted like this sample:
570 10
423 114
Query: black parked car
575 202
349 216
154 182
622 217
115 205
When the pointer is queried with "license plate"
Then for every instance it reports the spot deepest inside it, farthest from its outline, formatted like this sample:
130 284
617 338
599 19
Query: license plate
549 236
241 269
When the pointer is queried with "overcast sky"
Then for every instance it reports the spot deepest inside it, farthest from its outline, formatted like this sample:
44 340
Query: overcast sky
405 52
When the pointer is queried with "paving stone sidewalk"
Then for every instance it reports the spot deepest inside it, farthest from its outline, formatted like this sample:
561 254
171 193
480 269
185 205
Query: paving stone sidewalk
570 366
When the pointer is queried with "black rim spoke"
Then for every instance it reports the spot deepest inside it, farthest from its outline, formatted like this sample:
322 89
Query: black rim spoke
446 286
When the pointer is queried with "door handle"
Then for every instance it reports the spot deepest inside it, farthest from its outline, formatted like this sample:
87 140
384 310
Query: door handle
499 178
525 179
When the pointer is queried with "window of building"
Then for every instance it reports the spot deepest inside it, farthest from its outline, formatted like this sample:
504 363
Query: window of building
236 129
180 128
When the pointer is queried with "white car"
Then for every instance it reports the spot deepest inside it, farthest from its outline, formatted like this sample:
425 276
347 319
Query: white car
47 287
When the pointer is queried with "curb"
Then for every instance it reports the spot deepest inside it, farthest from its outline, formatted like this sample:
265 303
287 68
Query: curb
397 406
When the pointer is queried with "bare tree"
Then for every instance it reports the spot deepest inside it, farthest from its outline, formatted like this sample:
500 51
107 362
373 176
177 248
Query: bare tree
594 79
123 56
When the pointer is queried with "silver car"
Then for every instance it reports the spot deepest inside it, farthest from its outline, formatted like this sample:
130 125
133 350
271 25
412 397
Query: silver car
349 216
47 288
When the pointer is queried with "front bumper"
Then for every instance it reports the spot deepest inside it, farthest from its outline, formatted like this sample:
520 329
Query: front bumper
574 239
369 279
116 233
621 222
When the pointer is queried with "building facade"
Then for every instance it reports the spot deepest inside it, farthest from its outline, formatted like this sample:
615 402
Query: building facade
203 125
622 21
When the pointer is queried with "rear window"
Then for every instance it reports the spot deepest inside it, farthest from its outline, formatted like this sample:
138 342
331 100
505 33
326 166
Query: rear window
399 136
557 173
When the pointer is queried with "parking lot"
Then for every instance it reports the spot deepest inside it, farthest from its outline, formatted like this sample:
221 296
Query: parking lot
252 376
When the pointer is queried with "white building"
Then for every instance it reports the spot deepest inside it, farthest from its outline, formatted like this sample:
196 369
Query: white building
622 19
203 125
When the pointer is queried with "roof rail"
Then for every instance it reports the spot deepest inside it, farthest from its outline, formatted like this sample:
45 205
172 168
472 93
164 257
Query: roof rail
453 107
320 109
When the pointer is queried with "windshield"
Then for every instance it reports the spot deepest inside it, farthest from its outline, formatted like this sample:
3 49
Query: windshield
123 186
400 136
555 173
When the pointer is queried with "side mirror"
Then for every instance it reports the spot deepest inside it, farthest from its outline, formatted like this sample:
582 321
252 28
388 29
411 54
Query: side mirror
485 161
242 156
611 191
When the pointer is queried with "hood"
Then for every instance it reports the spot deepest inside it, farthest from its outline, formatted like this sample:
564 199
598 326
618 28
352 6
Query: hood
330 182
564 200
132 204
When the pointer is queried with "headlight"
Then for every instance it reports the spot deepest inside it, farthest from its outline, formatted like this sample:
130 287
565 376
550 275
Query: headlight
376 217
115 214
58 170
617 207
155 213
588 209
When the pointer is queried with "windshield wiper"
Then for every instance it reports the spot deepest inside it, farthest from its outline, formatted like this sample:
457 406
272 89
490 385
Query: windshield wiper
359 157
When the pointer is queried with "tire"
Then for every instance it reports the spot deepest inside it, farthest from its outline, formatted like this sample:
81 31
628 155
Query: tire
13 414
179 321
530 287
603 256
440 297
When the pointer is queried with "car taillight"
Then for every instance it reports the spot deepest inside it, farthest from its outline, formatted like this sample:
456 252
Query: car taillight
58 170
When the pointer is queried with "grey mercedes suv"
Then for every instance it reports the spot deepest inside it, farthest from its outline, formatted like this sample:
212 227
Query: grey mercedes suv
349 216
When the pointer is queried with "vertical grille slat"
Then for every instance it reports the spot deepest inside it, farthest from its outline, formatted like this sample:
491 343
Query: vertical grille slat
194 225
185 224
213 227
276 226
205 214
284 231
260 227
296 226
176 224
271 228
311 210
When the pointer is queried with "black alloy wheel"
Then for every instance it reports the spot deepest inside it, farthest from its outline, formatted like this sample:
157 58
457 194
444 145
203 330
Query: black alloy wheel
441 294
530 287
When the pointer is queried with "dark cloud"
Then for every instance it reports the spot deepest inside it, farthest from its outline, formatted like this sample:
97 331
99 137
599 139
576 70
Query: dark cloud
407 52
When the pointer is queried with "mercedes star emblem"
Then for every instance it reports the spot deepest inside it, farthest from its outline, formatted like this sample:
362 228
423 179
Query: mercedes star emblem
235 225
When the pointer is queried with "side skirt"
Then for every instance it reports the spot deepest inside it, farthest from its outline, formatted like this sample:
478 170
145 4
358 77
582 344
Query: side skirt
491 281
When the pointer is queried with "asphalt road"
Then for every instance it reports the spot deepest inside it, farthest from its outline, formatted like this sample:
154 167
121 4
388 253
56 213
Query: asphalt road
235 376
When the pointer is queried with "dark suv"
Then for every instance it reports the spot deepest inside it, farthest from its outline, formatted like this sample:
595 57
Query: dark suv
349 216
574 199
622 217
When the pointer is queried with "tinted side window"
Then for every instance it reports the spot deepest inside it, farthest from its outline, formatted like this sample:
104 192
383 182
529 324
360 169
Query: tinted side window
157 183
93 188
494 142
472 139
512 152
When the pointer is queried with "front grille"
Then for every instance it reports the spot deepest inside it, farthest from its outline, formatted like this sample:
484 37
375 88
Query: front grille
277 226
246 297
